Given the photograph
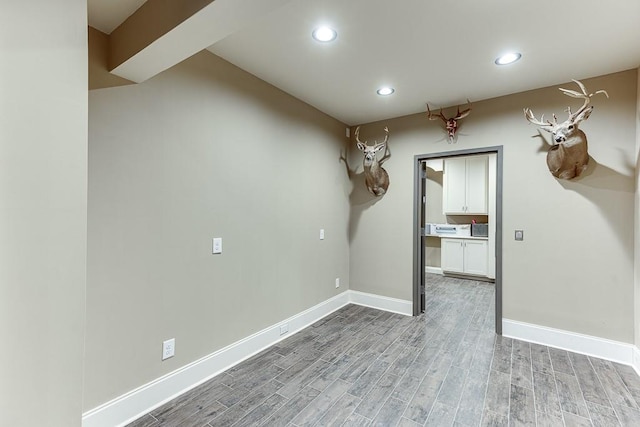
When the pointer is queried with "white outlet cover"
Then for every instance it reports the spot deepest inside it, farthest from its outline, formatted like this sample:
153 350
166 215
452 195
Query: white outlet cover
322 234
337 282
168 348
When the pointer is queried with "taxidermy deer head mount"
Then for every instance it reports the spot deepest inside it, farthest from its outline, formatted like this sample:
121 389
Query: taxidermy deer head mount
568 157
375 177
451 124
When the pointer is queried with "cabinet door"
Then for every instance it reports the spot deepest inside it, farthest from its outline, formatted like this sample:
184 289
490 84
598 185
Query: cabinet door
475 257
476 202
452 252
454 186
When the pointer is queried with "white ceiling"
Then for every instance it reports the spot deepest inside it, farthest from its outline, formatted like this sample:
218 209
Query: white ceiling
437 51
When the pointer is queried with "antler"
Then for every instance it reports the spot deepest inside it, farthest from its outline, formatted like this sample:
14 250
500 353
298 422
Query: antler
376 143
584 95
357 133
432 116
465 113
528 114
386 136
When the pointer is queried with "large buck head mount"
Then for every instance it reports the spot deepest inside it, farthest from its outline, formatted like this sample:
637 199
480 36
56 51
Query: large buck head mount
568 156
375 177
451 124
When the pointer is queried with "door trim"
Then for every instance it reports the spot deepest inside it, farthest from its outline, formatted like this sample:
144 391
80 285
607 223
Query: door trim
418 247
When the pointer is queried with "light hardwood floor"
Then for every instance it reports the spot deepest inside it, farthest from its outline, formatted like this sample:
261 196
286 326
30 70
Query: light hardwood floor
364 367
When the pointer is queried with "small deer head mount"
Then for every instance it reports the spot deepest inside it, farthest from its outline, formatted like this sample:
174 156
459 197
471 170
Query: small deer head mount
451 124
568 157
375 177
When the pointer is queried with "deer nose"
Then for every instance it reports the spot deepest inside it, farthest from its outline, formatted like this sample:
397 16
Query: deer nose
559 139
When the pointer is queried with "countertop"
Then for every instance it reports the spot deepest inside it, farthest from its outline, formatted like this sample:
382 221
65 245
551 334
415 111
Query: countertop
454 236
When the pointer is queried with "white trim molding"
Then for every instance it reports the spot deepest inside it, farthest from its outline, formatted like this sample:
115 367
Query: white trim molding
433 270
393 305
602 348
132 405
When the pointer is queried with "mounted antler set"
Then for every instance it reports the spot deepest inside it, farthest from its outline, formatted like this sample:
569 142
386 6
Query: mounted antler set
451 124
568 157
375 177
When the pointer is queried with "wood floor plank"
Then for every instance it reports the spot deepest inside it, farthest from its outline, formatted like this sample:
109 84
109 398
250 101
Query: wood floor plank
612 383
590 385
288 411
340 412
498 392
571 420
292 387
602 415
540 359
570 395
627 416
390 413
420 406
546 394
322 403
547 420
521 407
441 415
472 401
242 408
377 397
369 378
560 361
451 390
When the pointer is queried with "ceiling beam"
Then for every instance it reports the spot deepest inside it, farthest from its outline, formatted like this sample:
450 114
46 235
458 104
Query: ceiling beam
162 33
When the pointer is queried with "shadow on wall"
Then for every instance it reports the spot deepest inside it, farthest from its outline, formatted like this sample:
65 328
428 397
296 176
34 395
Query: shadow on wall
359 199
596 180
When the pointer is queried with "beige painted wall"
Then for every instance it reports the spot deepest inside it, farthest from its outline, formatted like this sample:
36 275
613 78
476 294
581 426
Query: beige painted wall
43 211
637 223
204 150
575 268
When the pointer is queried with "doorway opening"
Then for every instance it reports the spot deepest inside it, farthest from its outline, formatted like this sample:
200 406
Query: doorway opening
459 206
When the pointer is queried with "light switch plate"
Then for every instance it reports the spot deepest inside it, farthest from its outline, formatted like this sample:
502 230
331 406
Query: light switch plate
217 245
519 235
322 234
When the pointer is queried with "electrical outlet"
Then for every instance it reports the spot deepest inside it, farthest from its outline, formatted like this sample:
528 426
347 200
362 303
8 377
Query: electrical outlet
168 348
322 234
337 282
284 329
519 235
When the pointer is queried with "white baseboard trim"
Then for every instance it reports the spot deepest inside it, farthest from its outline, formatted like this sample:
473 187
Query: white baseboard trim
636 359
382 303
433 270
130 406
602 348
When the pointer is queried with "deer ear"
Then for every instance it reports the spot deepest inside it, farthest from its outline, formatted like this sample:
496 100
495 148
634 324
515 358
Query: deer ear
361 146
584 115
379 147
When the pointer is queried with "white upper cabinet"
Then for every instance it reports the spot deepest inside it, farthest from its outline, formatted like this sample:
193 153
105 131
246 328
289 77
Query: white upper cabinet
465 185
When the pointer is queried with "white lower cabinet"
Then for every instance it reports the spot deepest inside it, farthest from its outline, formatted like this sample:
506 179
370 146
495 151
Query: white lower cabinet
466 256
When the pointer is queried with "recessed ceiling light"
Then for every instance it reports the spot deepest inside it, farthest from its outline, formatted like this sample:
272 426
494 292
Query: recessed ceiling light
324 34
508 58
384 91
